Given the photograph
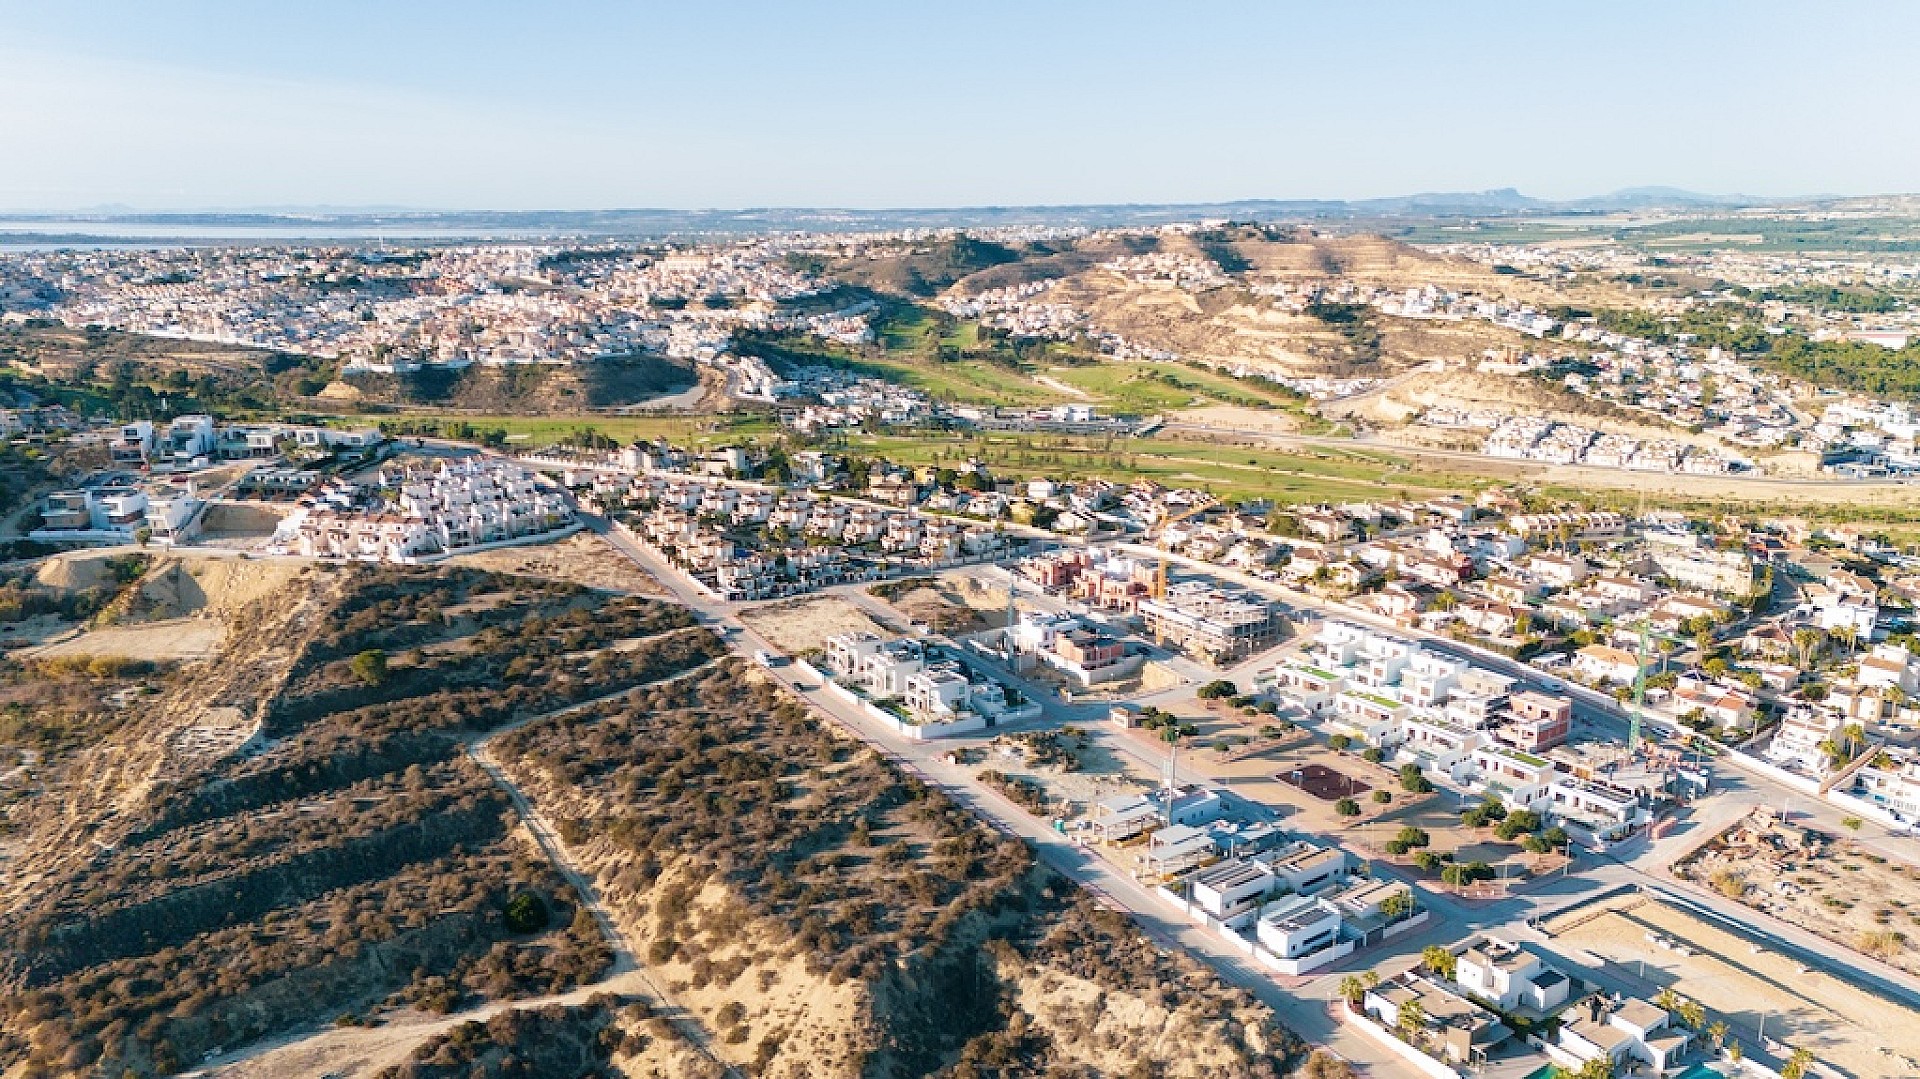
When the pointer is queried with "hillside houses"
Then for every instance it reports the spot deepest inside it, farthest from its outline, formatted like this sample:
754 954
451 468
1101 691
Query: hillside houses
408 513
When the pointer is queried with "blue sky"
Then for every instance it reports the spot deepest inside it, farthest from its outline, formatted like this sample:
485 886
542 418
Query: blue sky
708 103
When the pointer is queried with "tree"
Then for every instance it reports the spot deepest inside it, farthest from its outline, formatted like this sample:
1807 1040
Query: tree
1397 906
1845 635
1347 807
1806 644
1437 960
1412 781
1717 1031
526 913
370 666
1353 989
1411 1017
1340 742
1797 1064
1414 837
1693 1014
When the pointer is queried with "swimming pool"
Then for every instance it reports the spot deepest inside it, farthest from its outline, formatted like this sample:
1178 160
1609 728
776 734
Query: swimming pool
1699 1071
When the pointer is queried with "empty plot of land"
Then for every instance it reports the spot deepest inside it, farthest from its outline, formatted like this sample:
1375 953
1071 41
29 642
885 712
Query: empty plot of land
580 558
172 638
801 625
1833 887
1858 1033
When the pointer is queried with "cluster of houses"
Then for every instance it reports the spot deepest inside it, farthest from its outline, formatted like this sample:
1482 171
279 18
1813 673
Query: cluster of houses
1462 725
1870 707
1288 902
748 541
416 512
130 506
922 688
159 509
1534 438
1462 1016
197 441
1085 651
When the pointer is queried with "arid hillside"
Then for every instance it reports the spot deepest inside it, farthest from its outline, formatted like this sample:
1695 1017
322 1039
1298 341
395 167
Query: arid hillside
447 821
290 832
825 916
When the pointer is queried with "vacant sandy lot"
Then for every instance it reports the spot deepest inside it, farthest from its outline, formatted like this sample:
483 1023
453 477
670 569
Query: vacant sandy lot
1738 982
581 558
173 638
1239 418
1838 889
799 625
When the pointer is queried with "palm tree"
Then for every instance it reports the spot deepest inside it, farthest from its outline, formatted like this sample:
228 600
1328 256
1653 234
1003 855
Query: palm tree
1438 960
1797 1063
1846 635
1410 1017
1692 1014
1718 1031
1854 734
1806 642
1354 989
1667 999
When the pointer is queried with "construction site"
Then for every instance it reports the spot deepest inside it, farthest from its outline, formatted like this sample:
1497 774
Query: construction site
1199 615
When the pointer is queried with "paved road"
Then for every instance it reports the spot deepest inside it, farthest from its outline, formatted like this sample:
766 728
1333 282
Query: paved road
1637 863
1306 1016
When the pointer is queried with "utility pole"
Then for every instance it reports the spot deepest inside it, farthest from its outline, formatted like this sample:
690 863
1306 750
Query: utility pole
1639 692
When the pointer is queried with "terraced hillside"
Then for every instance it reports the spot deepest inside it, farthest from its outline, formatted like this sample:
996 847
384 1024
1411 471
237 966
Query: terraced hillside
459 790
348 860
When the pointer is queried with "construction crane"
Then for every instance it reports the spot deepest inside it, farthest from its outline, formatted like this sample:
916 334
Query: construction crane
1206 503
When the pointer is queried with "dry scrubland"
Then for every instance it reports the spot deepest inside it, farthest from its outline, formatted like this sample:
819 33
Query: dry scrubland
285 855
159 905
824 915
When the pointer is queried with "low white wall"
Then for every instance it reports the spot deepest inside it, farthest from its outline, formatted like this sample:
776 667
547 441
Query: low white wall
1749 762
1424 1063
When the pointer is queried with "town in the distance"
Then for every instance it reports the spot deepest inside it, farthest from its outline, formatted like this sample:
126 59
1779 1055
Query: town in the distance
1461 641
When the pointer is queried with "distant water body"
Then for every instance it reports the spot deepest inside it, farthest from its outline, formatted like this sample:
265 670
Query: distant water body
44 235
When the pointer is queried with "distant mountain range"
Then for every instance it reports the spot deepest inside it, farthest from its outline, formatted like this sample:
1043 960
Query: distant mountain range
111 223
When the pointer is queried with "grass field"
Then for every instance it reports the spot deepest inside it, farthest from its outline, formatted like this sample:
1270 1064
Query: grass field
1227 472
1148 388
547 430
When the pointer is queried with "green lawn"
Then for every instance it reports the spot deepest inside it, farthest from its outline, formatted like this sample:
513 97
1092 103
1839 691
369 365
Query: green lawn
547 430
1228 472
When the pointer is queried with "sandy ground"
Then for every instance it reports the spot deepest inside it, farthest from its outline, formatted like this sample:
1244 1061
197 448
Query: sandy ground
1238 418
187 584
231 522
1841 891
581 558
1844 1027
796 626
77 571
173 638
179 609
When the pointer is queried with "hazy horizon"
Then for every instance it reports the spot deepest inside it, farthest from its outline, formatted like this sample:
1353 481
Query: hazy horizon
439 106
